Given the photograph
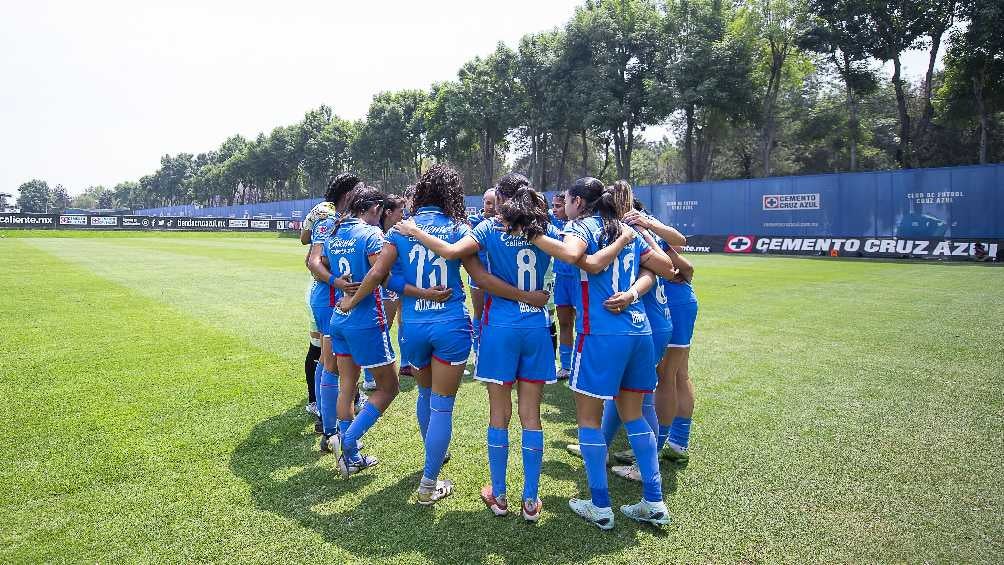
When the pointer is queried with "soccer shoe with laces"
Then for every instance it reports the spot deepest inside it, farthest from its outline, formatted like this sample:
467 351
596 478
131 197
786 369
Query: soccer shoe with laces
629 472
626 456
654 513
311 408
602 518
576 450
428 497
675 453
531 509
331 444
563 374
348 468
369 386
497 504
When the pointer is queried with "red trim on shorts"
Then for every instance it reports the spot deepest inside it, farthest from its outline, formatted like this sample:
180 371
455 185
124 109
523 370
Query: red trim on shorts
443 361
585 306
525 380
636 390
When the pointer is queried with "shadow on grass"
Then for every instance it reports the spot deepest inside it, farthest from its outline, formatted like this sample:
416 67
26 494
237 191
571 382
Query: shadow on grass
388 523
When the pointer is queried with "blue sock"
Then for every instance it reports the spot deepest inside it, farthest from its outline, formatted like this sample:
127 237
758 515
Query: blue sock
318 371
648 411
476 334
498 458
594 454
400 347
329 399
533 460
422 409
565 354
367 376
611 421
437 439
680 433
350 450
643 444
363 422
660 442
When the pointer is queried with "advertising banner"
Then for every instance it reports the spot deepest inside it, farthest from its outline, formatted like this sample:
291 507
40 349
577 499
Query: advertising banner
134 222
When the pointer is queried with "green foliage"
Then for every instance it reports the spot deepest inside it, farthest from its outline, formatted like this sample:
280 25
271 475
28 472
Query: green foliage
34 196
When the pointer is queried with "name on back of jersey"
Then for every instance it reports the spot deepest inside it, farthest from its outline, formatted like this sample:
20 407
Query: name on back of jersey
424 304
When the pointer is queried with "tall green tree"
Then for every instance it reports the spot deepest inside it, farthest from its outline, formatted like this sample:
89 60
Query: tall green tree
619 86
34 196
838 33
974 69
60 198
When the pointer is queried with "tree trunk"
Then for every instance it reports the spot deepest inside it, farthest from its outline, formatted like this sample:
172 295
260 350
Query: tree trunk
531 168
929 78
778 55
542 155
618 136
561 163
585 154
488 154
688 143
903 153
853 123
978 83
628 150
606 159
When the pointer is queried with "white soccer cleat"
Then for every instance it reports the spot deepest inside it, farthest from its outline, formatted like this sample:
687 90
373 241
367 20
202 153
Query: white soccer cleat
429 496
602 518
654 513
311 408
629 472
369 386
575 449
349 468
564 374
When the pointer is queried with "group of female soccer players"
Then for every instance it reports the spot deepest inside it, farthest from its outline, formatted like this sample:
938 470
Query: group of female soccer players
617 273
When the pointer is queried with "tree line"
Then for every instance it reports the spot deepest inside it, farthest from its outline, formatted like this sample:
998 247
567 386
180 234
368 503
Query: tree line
743 88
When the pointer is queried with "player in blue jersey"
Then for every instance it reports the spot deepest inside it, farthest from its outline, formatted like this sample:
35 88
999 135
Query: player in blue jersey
566 287
489 210
610 317
360 338
675 395
321 295
437 336
515 339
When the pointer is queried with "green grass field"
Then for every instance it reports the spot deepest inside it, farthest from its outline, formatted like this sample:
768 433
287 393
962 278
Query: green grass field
153 400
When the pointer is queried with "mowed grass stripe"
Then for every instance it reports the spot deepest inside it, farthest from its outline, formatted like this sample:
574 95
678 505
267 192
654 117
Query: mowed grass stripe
839 418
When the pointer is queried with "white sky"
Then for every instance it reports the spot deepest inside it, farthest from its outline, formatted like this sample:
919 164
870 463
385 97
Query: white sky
96 92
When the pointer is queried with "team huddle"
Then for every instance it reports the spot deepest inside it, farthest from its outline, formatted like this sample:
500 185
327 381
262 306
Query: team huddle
619 279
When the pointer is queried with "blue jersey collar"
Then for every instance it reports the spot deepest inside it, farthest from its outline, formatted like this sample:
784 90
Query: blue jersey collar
425 209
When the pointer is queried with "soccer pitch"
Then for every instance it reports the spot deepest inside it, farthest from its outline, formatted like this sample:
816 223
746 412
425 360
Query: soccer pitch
153 400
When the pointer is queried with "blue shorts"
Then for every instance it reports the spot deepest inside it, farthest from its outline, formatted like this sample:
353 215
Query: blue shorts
448 342
660 341
566 288
368 347
322 317
604 365
507 355
684 316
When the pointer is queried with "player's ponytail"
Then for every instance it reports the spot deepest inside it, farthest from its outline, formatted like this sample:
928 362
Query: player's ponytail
601 200
526 212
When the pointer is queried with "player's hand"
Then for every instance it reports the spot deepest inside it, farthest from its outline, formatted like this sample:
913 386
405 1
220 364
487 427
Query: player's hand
618 302
407 227
537 298
636 218
627 236
345 304
438 293
350 288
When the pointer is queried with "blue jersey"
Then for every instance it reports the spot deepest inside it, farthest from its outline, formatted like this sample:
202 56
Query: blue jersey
521 264
425 269
678 293
590 315
656 305
348 251
475 220
560 267
321 294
